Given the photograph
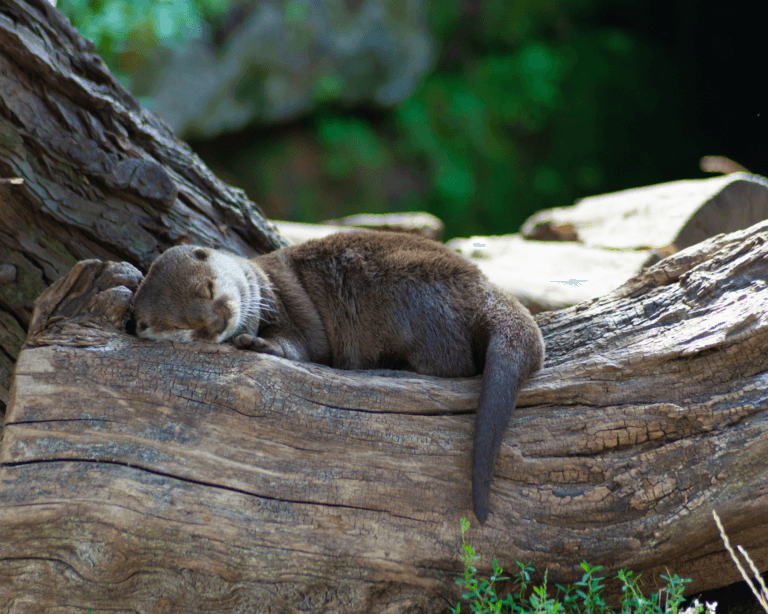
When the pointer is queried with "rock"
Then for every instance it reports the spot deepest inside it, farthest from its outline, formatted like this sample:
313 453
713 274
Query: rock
287 56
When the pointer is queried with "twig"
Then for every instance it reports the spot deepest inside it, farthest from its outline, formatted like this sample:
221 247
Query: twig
760 595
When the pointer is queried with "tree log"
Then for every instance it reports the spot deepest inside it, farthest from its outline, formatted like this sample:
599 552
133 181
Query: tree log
605 240
199 478
669 216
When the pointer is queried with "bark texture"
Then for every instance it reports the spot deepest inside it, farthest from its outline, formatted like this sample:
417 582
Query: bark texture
157 477
102 177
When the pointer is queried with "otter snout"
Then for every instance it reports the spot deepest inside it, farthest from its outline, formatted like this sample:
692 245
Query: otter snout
199 321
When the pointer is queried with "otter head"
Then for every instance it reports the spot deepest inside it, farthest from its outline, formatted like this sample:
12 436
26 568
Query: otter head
196 294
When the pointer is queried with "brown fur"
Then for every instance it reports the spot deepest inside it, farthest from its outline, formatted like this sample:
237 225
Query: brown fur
360 300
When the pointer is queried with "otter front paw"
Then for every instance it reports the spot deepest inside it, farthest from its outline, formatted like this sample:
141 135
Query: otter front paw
257 344
245 341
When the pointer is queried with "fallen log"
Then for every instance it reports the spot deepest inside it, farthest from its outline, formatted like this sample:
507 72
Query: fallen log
188 478
605 240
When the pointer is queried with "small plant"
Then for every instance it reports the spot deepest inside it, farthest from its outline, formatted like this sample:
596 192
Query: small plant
591 591
480 591
585 597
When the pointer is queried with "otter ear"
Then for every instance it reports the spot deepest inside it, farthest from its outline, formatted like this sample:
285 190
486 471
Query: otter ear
200 253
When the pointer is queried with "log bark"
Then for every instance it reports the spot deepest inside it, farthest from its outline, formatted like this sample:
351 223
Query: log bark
188 478
102 177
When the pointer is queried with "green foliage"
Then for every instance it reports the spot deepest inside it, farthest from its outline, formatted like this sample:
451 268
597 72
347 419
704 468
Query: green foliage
480 591
585 597
126 32
520 116
351 144
527 108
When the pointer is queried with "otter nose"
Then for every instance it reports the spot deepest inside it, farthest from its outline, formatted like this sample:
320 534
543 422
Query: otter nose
141 328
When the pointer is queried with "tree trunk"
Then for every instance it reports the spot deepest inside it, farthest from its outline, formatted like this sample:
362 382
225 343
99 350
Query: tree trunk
102 177
184 478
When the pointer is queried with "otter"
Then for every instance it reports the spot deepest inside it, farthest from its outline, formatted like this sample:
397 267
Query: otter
357 300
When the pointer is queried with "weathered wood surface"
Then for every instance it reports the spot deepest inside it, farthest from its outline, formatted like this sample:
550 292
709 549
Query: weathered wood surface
529 269
141 477
609 238
720 164
417 221
152 477
103 178
679 213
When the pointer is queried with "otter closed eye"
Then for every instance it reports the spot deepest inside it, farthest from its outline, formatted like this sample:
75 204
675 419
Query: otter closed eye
362 300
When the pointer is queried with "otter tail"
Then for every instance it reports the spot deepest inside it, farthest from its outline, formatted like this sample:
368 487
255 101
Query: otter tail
514 352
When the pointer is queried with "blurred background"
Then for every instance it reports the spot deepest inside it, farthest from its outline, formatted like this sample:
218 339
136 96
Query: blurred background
478 111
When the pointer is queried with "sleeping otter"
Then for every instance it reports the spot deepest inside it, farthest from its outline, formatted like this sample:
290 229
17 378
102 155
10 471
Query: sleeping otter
360 300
